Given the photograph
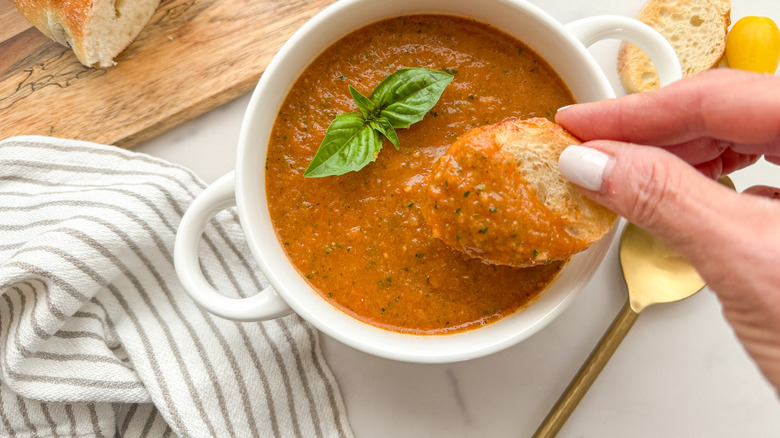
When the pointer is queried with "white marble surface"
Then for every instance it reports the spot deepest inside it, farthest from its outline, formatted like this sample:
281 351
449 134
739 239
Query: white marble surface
679 373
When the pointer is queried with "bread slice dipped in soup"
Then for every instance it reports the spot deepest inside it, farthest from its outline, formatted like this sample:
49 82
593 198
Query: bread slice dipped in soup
497 195
352 218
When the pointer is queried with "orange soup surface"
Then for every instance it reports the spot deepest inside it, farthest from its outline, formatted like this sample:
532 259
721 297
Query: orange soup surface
360 239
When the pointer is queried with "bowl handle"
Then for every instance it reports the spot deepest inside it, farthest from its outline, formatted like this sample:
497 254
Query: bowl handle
592 29
267 304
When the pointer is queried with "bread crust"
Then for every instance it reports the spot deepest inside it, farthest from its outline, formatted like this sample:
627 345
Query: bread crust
696 30
43 13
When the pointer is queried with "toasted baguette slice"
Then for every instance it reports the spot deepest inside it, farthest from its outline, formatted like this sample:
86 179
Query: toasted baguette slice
497 195
696 29
96 30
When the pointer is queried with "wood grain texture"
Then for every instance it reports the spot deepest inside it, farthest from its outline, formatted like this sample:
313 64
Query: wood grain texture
192 56
12 23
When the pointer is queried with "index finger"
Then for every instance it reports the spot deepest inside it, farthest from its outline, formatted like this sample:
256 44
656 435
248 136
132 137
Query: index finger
726 104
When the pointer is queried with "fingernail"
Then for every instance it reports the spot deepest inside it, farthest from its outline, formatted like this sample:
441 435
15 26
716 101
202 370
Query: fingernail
564 107
583 166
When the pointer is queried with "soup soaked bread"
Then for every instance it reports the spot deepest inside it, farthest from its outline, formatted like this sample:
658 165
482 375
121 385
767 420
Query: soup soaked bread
523 212
360 238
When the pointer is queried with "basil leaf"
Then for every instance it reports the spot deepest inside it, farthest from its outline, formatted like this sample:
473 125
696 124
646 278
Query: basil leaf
353 140
349 144
383 125
365 105
405 96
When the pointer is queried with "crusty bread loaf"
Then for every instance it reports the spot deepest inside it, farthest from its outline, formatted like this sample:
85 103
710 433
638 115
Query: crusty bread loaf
497 195
696 29
96 30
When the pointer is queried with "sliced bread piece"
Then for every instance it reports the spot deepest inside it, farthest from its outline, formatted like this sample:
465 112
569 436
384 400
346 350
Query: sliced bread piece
96 30
695 28
497 195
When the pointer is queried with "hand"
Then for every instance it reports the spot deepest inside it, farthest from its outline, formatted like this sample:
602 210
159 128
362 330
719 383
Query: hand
717 122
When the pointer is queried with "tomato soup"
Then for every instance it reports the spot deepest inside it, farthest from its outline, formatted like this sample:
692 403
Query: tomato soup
360 239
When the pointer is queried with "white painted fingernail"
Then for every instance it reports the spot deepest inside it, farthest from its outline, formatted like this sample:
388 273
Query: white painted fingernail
583 166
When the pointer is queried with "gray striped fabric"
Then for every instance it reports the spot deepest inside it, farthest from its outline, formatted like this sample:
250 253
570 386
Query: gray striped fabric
98 338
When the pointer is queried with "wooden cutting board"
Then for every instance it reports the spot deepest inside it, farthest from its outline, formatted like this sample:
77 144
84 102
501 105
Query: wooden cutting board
192 56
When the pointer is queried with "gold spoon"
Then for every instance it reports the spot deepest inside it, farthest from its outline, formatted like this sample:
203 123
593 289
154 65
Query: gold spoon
654 274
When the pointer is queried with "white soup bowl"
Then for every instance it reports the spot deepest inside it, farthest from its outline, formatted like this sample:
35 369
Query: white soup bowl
562 46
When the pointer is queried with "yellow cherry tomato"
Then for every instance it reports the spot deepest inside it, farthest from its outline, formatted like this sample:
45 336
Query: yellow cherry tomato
754 44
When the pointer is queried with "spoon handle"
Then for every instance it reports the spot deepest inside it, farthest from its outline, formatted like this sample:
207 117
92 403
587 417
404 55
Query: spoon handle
588 373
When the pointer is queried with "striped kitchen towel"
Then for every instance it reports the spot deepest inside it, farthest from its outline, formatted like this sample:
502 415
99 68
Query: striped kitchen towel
97 336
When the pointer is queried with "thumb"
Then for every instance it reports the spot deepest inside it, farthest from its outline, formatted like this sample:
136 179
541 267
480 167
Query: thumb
653 189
